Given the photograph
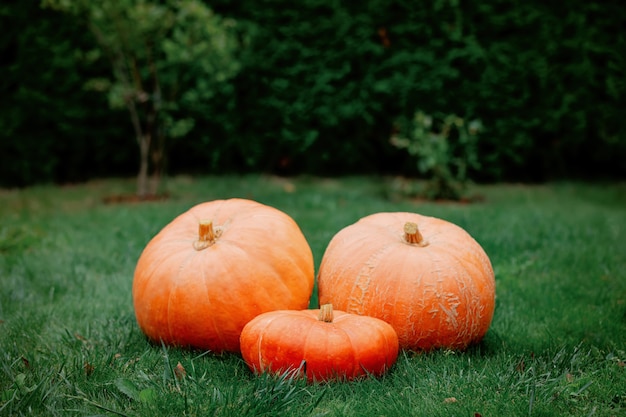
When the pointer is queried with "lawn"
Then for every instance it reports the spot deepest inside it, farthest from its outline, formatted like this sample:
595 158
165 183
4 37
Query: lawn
69 344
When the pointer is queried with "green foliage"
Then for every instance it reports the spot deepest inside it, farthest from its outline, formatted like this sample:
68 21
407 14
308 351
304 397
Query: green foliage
543 86
51 129
317 95
166 59
444 149
303 87
543 80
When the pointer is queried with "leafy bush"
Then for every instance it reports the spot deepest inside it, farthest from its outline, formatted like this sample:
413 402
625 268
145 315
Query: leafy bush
444 148
325 91
321 95
164 58
51 128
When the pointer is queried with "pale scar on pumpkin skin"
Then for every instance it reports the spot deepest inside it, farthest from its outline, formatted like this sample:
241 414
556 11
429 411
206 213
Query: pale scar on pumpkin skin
363 281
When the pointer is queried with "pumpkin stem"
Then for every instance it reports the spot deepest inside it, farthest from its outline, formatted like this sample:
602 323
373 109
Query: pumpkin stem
412 234
326 313
206 235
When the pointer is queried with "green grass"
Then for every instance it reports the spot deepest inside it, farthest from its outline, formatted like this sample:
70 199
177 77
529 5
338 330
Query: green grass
69 344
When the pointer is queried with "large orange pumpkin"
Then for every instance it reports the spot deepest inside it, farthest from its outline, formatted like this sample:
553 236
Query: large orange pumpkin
425 276
216 267
319 344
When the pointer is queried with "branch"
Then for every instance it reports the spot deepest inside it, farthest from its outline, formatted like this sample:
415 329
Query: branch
118 60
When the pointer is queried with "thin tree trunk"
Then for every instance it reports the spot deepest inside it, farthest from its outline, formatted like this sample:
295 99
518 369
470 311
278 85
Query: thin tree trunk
157 150
144 159
158 161
150 140
143 141
122 66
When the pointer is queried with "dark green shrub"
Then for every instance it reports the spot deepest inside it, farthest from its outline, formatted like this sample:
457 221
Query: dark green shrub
444 148
321 94
322 83
51 128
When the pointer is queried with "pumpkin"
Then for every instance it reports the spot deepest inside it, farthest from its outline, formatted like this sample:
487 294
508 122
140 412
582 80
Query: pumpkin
216 267
425 276
320 345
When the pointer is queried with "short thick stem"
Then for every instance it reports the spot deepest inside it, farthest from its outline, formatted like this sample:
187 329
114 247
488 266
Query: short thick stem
326 313
412 234
206 235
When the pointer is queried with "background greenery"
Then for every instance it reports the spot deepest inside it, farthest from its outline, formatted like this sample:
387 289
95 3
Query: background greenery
324 83
69 343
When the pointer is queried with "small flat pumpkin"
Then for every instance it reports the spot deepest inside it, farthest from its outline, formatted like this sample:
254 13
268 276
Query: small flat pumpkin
320 344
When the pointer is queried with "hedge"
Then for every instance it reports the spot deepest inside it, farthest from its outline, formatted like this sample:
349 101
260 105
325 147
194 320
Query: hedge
324 83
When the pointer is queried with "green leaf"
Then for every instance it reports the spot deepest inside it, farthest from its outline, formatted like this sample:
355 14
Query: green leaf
128 388
147 395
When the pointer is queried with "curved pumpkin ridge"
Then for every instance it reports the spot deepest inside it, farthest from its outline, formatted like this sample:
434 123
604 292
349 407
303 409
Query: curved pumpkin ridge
377 258
307 347
203 263
231 296
446 310
445 273
371 342
359 287
174 284
477 294
333 337
357 348
354 348
290 347
458 282
484 290
455 323
206 262
260 339
467 327
476 268
391 344
209 301
259 342
260 271
410 321
400 310
148 272
303 265
180 301
150 285
286 284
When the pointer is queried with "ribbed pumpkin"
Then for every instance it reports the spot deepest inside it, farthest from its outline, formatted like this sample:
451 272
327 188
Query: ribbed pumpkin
425 276
319 344
216 267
